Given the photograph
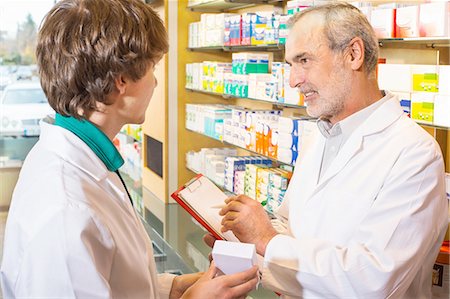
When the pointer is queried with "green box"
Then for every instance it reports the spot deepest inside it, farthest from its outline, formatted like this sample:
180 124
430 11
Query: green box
427 82
422 111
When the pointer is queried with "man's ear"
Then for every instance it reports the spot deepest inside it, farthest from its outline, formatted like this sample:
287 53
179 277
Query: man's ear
356 53
121 84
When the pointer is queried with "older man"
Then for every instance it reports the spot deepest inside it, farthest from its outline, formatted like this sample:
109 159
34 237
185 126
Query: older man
366 210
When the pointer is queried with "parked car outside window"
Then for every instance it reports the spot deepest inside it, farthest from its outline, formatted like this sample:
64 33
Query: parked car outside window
22 106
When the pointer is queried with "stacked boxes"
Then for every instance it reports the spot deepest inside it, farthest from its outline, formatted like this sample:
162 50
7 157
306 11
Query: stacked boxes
422 90
207 119
406 21
210 162
295 136
235 168
258 27
277 186
248 63
246 77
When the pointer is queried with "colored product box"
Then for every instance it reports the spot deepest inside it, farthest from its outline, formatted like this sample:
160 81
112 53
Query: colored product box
427 82
422 107
246 29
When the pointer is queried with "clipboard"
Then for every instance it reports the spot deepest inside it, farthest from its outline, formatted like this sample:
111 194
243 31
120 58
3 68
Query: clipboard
199 197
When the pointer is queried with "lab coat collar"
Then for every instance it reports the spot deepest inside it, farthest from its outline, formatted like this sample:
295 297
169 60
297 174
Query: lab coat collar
380 119
72 149
99 143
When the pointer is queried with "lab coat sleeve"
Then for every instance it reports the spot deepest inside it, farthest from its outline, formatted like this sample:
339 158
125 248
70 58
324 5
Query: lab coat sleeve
69 256
165 282
406 221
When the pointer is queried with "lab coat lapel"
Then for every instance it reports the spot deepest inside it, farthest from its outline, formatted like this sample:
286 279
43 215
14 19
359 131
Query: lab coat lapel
381 118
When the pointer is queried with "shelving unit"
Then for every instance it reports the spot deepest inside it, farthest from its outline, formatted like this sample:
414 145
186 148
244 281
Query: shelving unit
242 148
267 48
228 5
228 96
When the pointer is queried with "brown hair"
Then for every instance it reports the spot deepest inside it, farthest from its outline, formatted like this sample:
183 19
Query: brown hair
83 45
343 22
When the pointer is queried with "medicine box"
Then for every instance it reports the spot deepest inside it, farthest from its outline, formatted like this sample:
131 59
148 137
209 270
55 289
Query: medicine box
233 257
444 79
425 78
407 21
383 22
395 77
422 107
442 110
434 19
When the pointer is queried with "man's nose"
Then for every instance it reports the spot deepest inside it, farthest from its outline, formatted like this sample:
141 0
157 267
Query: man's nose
296 77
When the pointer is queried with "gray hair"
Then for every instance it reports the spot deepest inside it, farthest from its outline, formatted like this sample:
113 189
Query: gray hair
343 22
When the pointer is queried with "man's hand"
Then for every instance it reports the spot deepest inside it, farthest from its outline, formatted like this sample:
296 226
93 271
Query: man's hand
232 286
248 221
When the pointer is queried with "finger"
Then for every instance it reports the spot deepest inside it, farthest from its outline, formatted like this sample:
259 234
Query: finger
231 206
229 199
230 216
241 277
243 289
211 273
209 240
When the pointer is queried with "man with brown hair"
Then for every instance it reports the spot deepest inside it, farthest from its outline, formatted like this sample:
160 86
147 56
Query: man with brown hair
366 210
71 229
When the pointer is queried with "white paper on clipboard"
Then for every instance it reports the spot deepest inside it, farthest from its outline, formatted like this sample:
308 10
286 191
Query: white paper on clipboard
203 196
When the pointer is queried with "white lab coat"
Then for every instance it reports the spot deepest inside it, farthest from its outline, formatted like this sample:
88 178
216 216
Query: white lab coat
71 231
371 227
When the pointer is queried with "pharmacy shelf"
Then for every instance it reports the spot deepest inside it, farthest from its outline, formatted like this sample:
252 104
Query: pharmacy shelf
267 48
421 42
228 5
237 146
424 124
229 96
424 42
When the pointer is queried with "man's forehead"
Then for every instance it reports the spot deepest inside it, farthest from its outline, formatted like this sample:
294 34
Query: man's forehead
305 32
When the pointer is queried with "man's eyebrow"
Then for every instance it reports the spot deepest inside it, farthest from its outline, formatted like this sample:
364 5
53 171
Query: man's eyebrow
297 57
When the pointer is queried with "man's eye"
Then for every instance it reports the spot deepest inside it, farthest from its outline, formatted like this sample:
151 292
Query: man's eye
304 60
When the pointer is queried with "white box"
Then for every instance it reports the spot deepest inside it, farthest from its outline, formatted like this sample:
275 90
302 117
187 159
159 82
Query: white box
444 79
395 77
434 19
382 21
442 110
407 21
233 257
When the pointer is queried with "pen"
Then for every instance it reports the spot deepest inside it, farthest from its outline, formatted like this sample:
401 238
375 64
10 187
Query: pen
220 206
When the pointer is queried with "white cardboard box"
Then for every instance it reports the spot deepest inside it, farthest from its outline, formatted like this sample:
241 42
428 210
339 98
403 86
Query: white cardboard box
233 257
395 77
442 110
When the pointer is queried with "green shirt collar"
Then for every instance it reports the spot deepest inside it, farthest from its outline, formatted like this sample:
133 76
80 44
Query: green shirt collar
97 141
